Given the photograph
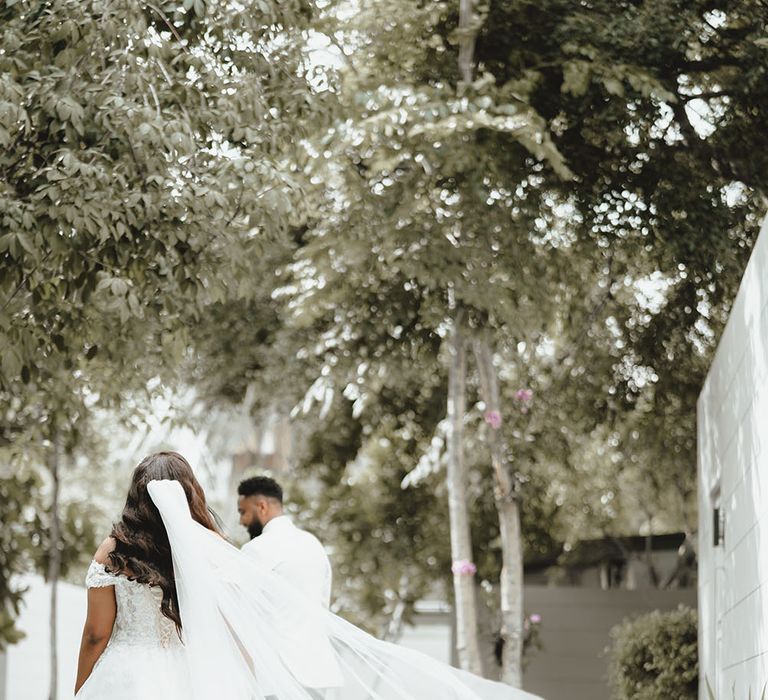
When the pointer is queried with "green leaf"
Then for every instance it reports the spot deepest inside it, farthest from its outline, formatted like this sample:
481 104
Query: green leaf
11 363
104 283
26 243
133 305
614 86
576 78
119 287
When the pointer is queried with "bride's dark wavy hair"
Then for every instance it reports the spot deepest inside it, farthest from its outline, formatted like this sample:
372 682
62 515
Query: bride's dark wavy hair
142 550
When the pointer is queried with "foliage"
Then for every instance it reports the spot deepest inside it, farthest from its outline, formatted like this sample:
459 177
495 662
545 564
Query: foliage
141 169
656 656
387 543
126 172
189 201
20 520
25 514
570 200
606 290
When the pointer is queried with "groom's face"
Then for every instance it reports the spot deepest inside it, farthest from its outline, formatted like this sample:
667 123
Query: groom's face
252 510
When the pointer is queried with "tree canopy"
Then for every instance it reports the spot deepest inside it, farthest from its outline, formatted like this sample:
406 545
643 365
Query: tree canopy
186 193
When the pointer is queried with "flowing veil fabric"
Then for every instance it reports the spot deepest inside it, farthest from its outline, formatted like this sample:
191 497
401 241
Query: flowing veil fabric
249 635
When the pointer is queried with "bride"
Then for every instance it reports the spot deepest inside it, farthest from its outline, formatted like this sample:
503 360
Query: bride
176 612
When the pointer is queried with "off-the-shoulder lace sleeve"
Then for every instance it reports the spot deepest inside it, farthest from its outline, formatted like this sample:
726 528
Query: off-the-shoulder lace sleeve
98 576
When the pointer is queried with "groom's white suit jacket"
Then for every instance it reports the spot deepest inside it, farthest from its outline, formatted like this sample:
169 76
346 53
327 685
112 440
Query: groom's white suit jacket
296 555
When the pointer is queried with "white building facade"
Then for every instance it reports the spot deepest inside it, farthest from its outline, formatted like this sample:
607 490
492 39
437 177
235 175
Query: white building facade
733 497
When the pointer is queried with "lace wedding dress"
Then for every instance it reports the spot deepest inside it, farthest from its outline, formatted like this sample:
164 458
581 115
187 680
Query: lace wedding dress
145 658
249 635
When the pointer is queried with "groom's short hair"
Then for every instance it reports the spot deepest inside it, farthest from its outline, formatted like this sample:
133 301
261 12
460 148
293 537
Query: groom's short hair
260 486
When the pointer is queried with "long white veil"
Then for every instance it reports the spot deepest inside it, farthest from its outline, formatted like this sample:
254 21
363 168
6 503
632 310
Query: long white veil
249 635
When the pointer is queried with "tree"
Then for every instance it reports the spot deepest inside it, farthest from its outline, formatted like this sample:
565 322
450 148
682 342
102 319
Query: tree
545 201
618 119
388 544
463 566
132 180
397 147
18 546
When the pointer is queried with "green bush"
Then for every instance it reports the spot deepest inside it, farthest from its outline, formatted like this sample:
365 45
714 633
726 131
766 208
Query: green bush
655 657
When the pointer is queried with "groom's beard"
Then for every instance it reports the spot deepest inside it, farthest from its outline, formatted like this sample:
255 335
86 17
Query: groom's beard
255 529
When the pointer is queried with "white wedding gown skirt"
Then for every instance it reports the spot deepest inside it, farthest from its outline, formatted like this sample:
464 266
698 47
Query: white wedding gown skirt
248 635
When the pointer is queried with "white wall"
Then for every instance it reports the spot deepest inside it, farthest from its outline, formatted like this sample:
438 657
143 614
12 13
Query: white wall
733 460
575 633
430 634
27 674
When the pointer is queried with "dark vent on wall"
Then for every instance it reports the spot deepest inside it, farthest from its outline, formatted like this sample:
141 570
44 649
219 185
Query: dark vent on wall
718 521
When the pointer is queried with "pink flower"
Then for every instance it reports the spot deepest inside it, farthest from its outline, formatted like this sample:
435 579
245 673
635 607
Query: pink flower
463 567
524 395
493 418
535 619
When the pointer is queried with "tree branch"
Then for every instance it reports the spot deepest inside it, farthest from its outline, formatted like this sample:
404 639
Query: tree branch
705 65
23 282
168 23
705 95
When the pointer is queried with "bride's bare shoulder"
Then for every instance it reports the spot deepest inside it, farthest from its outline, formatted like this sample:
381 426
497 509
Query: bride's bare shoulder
105 549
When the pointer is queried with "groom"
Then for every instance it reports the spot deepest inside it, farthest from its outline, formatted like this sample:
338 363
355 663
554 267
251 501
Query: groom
278 544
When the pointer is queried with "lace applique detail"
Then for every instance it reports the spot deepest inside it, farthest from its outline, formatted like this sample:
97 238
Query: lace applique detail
168 634
99 577
139 620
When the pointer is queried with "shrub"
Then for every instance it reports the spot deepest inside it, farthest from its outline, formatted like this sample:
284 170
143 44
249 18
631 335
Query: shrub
655 657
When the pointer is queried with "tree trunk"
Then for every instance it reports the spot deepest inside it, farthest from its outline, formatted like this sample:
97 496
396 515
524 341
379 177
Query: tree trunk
505 497
509 522
467 645
465 603
653 575
54 564
686 557
466 41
